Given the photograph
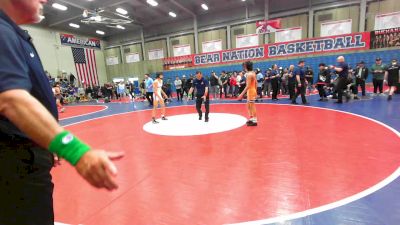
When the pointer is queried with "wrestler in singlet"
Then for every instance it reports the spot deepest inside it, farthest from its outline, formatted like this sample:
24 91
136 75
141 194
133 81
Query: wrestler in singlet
252 91
159 84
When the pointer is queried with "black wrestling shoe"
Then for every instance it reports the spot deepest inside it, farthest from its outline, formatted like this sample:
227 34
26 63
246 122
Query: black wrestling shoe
164 118
155 122
251 123
206 120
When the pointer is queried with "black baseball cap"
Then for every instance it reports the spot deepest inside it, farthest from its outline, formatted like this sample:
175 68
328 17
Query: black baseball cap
378 59
362 62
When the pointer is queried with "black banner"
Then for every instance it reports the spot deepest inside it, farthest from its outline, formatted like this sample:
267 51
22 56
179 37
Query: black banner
72 40
387 38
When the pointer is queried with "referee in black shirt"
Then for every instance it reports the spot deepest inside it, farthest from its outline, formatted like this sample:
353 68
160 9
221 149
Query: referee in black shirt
201 86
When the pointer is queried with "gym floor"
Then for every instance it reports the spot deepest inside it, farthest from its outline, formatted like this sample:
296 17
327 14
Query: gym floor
322 164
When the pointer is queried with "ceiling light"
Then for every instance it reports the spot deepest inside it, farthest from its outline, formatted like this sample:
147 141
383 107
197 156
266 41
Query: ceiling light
243 0
121 11
100 32
152 2
204 6
172 14
120 27
74 25
59 6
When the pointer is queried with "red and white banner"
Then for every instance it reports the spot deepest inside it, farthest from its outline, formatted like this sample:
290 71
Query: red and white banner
112 60
132 57
86 67
387 21
290 34
212 46
182 50
267 26
155 54
250 40
336 28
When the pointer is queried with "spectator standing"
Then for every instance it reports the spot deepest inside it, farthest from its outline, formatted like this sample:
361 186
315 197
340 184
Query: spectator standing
224 81
242 82
324 79
184 89
342 69
214 85
392 77
291 82
301 83
361 74
310 79
233 84
378 72
178 87
189 84
267 82
284 81
149 88
260 81
275 75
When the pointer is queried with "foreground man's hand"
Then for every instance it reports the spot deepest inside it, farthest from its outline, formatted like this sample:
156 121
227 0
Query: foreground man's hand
97 168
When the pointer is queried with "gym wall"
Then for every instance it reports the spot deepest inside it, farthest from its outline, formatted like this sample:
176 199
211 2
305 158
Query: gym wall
56 57
237 28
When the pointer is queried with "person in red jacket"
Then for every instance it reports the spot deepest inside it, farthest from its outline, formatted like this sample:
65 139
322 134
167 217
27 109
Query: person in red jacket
234 85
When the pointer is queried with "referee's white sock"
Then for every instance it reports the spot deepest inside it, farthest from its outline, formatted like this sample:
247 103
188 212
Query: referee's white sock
254 119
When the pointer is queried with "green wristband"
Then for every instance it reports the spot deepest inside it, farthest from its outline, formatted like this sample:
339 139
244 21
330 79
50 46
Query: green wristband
69 147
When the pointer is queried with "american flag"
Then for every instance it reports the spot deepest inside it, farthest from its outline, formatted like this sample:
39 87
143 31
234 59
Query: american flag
85 65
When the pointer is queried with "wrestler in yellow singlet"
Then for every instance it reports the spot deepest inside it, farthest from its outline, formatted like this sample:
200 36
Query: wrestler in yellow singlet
252 91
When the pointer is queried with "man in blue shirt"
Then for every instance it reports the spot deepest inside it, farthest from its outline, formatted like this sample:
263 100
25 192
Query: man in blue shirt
342 69
149 88
29 127
301 82
291 82
201 86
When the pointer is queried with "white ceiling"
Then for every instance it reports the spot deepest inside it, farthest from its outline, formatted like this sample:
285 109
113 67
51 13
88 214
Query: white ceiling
155 20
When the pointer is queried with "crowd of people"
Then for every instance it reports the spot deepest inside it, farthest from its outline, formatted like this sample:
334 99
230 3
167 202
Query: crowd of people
272 82
330 82
66 91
